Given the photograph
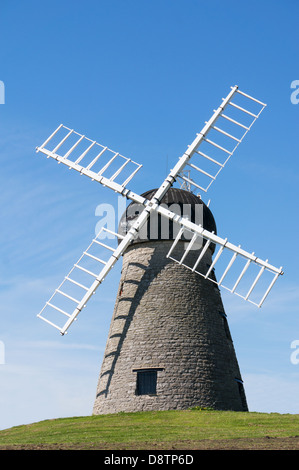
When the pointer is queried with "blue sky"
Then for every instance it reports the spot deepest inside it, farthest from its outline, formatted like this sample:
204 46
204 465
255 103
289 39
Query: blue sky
140 77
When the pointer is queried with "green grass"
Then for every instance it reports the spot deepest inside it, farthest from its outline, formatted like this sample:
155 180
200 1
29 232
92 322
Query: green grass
149 429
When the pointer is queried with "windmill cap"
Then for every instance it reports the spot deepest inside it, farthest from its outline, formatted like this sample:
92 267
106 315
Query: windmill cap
177 200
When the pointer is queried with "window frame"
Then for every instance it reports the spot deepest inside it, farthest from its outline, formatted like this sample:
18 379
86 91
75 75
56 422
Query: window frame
143 388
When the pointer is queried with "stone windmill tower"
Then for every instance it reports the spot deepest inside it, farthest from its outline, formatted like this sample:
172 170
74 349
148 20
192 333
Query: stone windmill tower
169 344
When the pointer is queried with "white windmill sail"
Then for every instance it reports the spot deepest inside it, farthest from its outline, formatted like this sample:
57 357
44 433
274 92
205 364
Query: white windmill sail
80 283
237 274
115 171
89 158
215 144
86 275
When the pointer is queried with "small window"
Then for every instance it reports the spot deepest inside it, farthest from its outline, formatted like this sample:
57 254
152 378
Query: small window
225 324
146 382
121 288
242 393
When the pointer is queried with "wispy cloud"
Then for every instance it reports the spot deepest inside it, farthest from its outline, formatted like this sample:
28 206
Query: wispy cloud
57 345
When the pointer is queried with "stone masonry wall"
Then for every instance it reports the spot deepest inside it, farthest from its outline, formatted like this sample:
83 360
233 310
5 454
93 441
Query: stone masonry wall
170 319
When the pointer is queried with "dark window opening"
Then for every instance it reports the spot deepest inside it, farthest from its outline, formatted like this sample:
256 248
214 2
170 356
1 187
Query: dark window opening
225 324
146 381
242 393
121 289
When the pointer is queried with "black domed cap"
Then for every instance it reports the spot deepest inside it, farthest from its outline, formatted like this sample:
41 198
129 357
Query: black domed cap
179 201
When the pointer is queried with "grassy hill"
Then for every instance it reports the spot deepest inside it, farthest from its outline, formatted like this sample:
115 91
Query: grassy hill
155 430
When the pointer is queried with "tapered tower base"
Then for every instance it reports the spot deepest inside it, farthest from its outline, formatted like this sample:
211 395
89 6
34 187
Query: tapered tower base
169 345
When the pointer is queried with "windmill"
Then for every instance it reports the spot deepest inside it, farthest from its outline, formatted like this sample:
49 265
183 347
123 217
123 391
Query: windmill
169 344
